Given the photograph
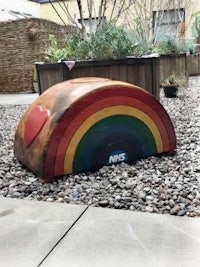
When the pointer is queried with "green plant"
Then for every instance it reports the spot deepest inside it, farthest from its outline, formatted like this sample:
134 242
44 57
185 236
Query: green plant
168 46
170 86
76 47
171 79
54 53
172 46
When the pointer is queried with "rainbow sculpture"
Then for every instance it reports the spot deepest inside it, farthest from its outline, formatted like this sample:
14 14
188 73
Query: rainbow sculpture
86 123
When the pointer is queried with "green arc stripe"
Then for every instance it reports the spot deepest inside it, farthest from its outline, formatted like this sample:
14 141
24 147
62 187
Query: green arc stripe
113 126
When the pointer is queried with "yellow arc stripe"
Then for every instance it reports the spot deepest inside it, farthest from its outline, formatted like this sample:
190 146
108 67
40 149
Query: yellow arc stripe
102 114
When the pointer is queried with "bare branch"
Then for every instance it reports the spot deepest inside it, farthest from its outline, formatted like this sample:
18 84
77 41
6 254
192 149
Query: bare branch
57 12
68 14
122 7
81 18
102 10
113 8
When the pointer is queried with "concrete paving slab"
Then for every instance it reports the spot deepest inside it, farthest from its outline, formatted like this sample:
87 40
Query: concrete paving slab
30 229
17 99
117 238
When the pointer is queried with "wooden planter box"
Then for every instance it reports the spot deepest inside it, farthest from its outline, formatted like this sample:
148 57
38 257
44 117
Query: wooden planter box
143 72
193 65
48 75
174 64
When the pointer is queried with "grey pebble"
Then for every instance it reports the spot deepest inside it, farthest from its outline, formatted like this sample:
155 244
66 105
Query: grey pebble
181 212
149 208
142 195
171 203
103 203
175 210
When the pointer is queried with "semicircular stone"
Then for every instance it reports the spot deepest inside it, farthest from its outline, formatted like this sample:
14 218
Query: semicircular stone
86 123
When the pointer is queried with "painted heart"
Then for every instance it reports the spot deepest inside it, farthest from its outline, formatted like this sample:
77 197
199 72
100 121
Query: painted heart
34 124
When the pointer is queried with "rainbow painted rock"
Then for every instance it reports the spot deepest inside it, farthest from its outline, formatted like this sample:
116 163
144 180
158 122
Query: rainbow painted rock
86 123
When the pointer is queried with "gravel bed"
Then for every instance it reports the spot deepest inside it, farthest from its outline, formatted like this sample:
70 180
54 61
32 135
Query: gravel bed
166 184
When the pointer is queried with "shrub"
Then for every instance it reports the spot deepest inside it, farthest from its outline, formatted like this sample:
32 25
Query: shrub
173 46
108 42
111 42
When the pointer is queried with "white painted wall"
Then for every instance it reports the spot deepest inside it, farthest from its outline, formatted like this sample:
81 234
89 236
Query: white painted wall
23 6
